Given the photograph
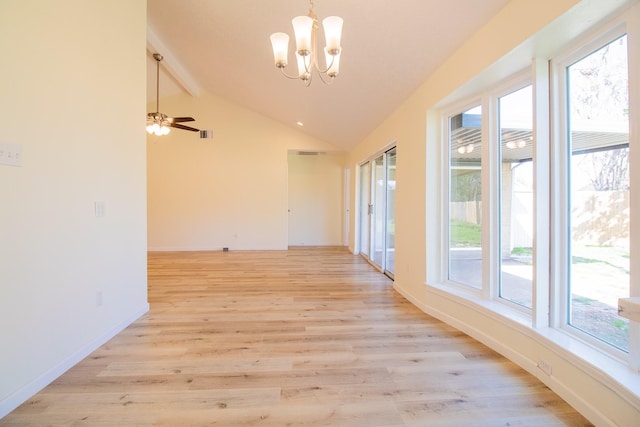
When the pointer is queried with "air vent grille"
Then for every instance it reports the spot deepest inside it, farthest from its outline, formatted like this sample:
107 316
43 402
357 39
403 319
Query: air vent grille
206 134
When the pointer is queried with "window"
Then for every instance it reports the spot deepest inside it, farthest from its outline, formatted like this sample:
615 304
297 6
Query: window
465 198
516 196
599 189
580 185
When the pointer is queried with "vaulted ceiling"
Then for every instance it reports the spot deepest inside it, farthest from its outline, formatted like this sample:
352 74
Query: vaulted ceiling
388 49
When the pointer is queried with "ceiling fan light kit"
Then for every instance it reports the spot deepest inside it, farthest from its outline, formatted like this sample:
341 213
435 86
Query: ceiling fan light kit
306 29
158 123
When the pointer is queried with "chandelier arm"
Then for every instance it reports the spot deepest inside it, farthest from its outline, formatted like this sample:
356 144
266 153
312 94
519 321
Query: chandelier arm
327 82
309 67
325 71
312 62
288 76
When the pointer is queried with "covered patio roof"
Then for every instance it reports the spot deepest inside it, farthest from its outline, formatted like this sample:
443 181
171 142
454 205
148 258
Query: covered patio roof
517 144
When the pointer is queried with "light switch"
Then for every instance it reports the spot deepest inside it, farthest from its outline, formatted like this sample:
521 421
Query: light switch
10 154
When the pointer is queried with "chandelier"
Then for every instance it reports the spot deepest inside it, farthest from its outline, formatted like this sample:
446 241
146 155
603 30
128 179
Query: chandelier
305 29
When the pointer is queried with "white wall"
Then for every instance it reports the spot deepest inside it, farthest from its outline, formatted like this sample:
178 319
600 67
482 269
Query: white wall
315 199
521 31
229 191
73 97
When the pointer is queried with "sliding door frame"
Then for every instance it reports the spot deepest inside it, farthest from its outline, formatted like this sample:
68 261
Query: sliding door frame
368 200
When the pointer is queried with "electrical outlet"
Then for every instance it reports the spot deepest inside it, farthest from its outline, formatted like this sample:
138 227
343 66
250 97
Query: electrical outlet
545 367
99 209
10 154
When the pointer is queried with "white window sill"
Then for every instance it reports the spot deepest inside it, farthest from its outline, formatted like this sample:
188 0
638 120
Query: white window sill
611 371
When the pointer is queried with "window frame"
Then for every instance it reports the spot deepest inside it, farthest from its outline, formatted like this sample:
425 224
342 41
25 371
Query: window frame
518 82
560 185
446 193
549 295
491 178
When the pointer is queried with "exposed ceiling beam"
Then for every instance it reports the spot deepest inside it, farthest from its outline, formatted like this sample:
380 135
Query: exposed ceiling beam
171 64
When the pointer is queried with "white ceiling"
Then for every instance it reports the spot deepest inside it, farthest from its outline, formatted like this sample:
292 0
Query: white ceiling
388 49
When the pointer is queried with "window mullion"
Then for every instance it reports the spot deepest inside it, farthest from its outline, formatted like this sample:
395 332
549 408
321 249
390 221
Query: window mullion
558 200
491 199
541 193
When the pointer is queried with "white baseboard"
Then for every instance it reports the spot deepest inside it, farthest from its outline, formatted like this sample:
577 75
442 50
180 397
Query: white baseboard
209 249
22 395
565 392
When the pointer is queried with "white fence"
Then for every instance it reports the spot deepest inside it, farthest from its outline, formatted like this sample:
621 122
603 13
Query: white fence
599 218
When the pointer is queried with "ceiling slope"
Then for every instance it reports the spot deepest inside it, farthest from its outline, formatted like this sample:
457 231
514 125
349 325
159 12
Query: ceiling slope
389 49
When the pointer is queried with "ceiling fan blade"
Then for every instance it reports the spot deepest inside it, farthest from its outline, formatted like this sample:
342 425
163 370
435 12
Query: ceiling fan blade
181 119
183 127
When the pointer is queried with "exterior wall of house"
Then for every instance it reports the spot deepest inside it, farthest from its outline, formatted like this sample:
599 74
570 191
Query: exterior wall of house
73 215
522 31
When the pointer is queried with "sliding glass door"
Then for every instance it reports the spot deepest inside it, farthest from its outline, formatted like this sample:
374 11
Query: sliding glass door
390 217
365 208
377 211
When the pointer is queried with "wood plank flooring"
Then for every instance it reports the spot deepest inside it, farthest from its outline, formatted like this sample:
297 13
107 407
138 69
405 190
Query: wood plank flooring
305 337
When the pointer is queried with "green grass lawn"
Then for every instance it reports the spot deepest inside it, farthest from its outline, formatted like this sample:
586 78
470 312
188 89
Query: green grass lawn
465 234
600 275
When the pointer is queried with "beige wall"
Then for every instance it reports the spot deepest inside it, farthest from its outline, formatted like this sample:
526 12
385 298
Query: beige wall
73 96
315 199
229 191
521 31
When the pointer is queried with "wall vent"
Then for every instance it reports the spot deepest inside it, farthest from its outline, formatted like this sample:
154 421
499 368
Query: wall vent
206 134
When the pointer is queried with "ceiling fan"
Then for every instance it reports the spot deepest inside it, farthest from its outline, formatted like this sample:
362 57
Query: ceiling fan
159 123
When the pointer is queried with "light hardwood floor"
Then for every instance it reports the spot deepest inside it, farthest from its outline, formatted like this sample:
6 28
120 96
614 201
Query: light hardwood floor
305 337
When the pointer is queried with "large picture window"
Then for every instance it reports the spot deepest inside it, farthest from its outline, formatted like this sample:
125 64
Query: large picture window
581 187
599 190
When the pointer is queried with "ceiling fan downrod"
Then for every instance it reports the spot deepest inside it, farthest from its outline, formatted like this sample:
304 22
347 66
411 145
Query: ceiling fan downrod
158 58
158 123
